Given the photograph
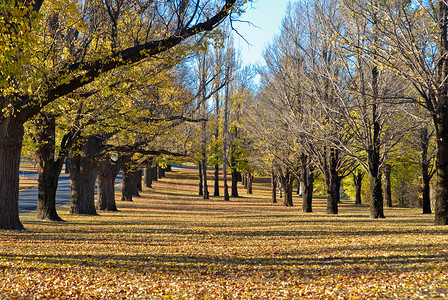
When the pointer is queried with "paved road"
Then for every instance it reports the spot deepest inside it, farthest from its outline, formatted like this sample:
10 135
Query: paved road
28 198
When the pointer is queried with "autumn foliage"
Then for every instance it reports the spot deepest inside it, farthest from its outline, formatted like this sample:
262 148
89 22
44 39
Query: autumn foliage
172 244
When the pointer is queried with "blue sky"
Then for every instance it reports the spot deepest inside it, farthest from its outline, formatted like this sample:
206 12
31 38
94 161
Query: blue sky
267 15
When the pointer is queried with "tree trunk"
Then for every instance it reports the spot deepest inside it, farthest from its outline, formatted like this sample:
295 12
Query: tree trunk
127 184
441 185
205 194
250 179
332 182
307 194
274 187
82 182
154 173
333 185
148 175
201 185
159 172
216 186
140 179
83 172
426 177
357 179
287 188
234 183
50 169
373 153
136 182
280 188
107 172
307 180
387 186
11 135
106 186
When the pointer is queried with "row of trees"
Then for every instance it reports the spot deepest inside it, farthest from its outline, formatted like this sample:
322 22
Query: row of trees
92 78
347 85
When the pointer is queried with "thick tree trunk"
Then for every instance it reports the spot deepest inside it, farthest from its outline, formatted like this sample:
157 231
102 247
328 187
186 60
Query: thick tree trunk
216 185
376 192
47 186
250 179
307 194
426 177
154 173
148 175
82 182
387 186
83 172
11 135
274 187
127 184
159 172
441 185
201 185
287 188
136 182
140 179
50 169
333 185
332 182
107 172
106 192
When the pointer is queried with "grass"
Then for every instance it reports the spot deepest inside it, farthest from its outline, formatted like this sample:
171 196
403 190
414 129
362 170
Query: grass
171 244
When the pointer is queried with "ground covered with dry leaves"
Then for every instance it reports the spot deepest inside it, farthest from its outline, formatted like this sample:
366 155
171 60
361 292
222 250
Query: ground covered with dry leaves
171 244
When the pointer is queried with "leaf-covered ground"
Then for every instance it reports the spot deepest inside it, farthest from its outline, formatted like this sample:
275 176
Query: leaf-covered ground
171 244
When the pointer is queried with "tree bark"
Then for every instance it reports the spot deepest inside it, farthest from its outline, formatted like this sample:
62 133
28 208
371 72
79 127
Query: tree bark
201 185
373 153
357 179
83 172
107 172
154 173
287 188
148 175
11 135
387 186
127 184
50 168
250 179
159 172
234 183
426 177
441 190
216 185
307 180
274 187
332 182
136 182
205 194
106 186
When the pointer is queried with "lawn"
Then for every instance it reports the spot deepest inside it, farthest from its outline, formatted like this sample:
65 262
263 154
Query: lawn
171 244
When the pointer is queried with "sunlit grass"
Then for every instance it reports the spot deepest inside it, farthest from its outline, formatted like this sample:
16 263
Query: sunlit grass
170 243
